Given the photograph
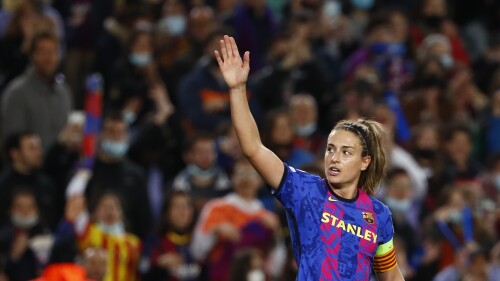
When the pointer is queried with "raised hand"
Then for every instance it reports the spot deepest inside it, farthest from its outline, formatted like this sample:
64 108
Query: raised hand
233 68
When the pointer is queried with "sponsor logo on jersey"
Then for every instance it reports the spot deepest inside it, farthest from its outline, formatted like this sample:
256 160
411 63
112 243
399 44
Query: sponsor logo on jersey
353 229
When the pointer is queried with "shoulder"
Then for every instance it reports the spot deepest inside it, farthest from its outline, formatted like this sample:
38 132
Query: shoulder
298 174
379 208
15 87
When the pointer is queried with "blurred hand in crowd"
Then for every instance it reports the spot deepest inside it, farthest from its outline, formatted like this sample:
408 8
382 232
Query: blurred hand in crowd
170 261
74 207
228 232
164 107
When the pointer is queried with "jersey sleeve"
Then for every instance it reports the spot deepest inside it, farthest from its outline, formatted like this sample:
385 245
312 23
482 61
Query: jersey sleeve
385 256
295 185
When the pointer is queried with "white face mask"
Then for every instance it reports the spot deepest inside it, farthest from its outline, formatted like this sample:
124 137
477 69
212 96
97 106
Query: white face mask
446 61
112 229
174 25
256 275
24 222
399 206
306 130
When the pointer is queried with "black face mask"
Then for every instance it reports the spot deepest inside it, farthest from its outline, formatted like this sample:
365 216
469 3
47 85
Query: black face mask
424 153
433 22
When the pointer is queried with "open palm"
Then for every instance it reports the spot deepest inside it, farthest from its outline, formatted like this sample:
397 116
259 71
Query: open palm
233 68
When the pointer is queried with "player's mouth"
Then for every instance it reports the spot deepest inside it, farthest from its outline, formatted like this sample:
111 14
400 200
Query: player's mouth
334 171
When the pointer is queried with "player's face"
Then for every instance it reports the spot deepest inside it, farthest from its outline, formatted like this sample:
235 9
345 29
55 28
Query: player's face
343 159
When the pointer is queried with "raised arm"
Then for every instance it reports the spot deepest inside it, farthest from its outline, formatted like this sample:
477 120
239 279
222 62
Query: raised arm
235 72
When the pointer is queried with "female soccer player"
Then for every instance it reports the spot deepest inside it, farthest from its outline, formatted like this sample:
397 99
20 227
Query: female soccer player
339 232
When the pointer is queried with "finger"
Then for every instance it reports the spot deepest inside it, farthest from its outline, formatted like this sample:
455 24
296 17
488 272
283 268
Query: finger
219 59
246 61
234 47
223 50
228 46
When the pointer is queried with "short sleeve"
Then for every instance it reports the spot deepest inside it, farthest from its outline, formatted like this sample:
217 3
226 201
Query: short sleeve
385 256
294 186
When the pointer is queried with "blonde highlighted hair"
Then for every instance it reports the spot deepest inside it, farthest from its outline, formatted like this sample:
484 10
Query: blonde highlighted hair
373 138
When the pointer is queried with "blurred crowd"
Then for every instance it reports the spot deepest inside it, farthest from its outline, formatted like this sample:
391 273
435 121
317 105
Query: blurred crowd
169 197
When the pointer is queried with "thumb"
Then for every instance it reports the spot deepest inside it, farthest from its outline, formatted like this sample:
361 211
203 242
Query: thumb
246 60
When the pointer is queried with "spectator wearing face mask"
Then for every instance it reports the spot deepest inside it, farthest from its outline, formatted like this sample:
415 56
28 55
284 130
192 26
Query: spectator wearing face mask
304 112
105 228
404 207
24 241
201 23
279 135
132 78
113 171
202 178
434 19
25 158
248 265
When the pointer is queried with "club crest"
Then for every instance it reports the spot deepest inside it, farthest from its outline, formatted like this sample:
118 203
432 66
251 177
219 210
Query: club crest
368 217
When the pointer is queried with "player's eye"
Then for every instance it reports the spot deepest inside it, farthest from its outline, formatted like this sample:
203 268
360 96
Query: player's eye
347 152
329 149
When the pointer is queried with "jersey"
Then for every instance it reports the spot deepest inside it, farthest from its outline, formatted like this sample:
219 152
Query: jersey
123 252
335 238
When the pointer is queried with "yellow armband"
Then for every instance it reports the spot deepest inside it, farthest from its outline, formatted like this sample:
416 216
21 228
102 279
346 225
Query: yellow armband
385 257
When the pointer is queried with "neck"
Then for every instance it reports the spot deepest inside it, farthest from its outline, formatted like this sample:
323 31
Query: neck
108 159
21 169
44 76
246 197
345 191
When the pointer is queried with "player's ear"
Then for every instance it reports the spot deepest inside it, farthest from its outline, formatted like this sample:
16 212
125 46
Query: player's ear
365 162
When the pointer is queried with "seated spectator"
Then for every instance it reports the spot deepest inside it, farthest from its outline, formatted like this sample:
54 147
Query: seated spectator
171 259
113 171
63 272
24 241
202 178
24 153
38 100
105 228
235 222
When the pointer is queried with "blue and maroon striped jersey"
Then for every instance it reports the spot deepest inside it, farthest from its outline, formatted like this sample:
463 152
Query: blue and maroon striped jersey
335 238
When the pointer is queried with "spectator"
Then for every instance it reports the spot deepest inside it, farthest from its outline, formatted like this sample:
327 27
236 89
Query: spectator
202 22
235 222
39 99
294 68
24 240
202 178
248 263
132 77
434 19
304 112
113 171
460 165
254 26
25 159
26 22
278 135
491 120
171 259
105 228
404 207
486 67
203 98
156 148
